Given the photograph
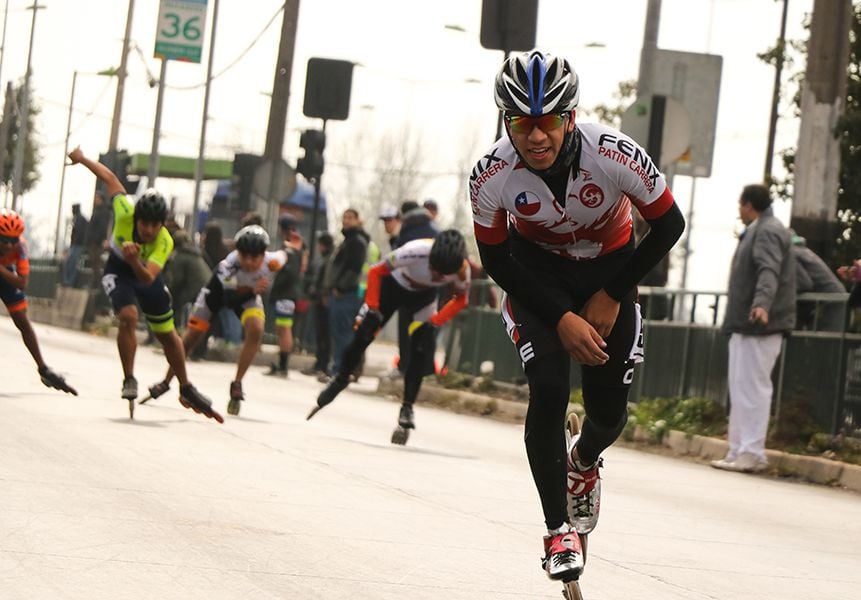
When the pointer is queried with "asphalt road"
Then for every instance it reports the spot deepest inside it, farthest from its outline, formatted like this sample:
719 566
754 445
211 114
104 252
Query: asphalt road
171 505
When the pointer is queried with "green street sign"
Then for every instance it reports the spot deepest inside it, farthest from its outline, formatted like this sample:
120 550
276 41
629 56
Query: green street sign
179 33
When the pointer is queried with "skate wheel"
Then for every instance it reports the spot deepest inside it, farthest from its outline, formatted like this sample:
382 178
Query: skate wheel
400 436
233 407
131 409
571 590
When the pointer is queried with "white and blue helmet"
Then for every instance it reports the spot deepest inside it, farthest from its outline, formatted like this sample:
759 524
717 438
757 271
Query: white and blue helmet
535 83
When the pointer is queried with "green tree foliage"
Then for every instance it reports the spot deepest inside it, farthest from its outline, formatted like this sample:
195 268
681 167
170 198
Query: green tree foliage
30 172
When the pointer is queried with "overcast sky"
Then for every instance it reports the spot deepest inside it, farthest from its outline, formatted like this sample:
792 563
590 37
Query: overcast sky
413 76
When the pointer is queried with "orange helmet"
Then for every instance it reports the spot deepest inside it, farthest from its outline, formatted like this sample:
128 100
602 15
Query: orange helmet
11 224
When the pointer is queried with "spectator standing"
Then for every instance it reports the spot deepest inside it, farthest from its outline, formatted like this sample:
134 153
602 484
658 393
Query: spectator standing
391 219
77 243
319 306
760 311
184 274
432 207
97 236
812 275
214 251
342 283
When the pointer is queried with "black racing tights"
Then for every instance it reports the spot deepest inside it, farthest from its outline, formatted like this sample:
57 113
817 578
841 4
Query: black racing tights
549 389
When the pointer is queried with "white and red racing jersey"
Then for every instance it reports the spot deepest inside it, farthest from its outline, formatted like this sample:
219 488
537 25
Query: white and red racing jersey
596 219
409 265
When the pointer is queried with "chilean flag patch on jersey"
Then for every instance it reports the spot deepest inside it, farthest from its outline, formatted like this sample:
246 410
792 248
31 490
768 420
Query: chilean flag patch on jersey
527 203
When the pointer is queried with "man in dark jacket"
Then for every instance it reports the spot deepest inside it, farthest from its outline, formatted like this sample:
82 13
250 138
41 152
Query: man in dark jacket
342 283
76 246
760 311
185 274
812 275
97 235
319 305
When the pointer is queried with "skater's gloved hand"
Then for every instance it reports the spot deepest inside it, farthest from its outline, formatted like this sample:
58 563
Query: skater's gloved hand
371 316
417 326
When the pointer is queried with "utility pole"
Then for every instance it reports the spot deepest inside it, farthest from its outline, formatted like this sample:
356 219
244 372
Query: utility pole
817 160
121 82
152 168
198 167
281 86
23 115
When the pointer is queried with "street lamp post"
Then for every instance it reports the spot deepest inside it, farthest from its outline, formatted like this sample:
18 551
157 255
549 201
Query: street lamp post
107 72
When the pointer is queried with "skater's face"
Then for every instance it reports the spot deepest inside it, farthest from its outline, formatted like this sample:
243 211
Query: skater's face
148 230
539 139
250 262
7 244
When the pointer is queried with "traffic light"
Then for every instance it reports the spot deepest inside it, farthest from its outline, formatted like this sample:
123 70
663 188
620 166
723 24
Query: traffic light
313 141
242 183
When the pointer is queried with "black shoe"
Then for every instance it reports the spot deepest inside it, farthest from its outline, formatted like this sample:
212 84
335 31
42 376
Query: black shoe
53 380
130 388
336 385
156 390
276 371
189 397
405 418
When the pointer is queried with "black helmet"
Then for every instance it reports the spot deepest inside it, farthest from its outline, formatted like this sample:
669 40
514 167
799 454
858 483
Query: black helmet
534 83
252 240
448 251
151 207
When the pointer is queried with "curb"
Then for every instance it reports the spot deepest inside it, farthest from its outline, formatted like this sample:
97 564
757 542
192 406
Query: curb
807 468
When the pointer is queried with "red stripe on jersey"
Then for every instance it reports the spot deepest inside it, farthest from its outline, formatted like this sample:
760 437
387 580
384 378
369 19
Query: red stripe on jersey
657 208
495 234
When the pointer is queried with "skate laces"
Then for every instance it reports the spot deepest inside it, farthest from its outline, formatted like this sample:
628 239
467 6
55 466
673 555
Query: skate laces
236 390
158 389
562 548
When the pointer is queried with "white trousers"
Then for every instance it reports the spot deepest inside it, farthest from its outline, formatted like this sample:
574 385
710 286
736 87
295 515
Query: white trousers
751 361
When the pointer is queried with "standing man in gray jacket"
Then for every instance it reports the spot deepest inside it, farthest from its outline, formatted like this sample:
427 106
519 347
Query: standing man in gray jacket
760 311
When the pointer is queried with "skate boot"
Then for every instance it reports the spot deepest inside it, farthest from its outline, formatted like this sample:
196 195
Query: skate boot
563 555
130 392
236 397
584 492
156 390
336 385
189 397
405 422
53 380
130 388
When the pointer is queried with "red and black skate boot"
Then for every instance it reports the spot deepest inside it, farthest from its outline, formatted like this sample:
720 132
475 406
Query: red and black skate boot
563 555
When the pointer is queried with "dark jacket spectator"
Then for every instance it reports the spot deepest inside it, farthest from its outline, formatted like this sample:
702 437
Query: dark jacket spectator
214 248
345 269
762 275
186 272
416 223
79 227
812 275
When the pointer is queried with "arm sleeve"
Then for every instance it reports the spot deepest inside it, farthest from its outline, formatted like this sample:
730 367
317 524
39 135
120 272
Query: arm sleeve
375 276
456 304
767 258
665 231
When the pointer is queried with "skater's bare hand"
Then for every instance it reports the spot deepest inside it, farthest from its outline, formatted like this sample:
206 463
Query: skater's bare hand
601 311
261 285
581 340
76 155
131 251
